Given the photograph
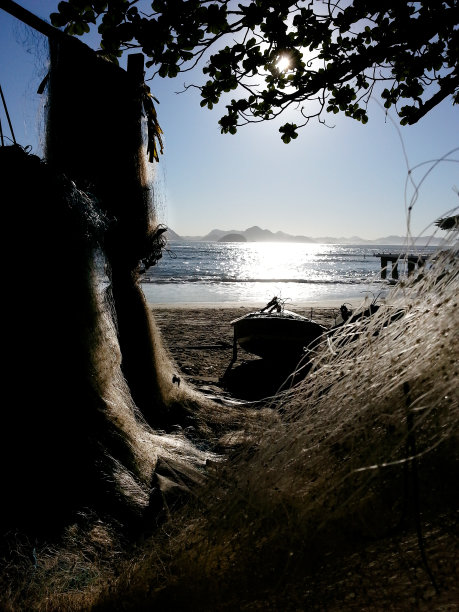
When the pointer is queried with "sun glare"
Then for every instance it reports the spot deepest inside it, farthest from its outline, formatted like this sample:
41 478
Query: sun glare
283 63
275 260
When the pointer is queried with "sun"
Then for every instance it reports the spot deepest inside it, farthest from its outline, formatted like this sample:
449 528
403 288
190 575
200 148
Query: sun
283 63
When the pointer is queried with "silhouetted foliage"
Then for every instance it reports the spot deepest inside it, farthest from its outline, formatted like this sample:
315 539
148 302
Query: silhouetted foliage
448 223
339 53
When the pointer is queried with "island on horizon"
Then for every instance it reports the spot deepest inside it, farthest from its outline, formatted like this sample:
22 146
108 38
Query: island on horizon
232 238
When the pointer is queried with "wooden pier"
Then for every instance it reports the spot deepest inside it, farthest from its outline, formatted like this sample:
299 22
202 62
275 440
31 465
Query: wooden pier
394 259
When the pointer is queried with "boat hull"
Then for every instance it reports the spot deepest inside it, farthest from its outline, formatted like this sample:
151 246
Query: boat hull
281 335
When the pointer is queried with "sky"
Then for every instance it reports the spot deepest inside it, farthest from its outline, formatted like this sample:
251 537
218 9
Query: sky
349 180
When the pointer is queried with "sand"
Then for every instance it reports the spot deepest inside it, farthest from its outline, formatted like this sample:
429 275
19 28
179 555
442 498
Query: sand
200 341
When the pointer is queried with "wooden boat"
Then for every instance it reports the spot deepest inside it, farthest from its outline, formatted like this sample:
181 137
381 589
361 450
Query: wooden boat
274 332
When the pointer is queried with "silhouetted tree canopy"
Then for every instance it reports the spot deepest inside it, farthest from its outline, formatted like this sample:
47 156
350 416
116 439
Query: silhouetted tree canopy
339 52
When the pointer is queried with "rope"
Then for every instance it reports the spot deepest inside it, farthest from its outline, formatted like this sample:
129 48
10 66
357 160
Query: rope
8 119
16 10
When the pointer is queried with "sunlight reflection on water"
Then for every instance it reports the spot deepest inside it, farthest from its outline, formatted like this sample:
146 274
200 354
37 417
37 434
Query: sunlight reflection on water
241 272
274 261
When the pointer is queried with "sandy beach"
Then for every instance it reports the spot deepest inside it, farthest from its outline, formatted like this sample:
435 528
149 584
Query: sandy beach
199 338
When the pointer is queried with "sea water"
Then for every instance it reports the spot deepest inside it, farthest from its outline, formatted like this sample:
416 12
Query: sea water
192 272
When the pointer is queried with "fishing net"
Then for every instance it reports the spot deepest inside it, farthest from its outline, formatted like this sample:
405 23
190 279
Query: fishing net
86 366
99 134
72 436
63 361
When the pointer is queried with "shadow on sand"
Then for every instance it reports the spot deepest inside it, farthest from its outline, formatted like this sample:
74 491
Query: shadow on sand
258 378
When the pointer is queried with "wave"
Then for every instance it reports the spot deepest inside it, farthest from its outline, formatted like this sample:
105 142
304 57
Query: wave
221 280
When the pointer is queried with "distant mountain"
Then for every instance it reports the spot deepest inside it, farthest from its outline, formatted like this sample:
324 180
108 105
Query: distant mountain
252 234
216 234
257 234
232 238
213 236
172 236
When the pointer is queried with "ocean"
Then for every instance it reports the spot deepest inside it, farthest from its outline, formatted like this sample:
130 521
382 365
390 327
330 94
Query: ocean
218 272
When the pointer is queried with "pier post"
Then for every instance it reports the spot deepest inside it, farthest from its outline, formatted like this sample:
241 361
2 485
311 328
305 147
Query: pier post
411 262
383 267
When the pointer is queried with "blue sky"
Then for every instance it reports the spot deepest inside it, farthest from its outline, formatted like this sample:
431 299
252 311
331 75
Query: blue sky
345 181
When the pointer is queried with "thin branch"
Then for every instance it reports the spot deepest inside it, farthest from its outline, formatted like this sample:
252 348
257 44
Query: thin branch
448 87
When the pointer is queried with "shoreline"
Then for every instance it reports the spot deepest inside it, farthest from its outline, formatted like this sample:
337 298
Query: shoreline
255 305
256 295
